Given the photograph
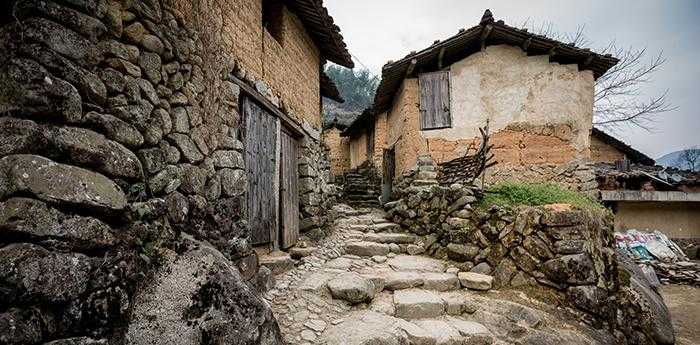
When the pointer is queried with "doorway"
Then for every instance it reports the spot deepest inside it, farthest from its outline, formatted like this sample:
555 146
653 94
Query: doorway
388 171
272 171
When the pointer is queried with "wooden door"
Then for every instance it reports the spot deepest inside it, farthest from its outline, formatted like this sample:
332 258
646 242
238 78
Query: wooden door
435 100
261 165
289 191
388 171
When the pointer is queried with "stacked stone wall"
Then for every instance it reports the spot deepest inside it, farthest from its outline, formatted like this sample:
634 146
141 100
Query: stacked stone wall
566 251
121 148
317 192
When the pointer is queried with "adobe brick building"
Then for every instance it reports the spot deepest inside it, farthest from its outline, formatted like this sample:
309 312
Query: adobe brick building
645 196
535 94
145 148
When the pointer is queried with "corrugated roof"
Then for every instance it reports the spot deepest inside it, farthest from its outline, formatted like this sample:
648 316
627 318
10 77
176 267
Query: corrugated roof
322 30
470 41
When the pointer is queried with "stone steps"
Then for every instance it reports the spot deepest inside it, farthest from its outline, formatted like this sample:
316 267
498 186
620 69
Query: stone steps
364 203
278 262
389 237
377 227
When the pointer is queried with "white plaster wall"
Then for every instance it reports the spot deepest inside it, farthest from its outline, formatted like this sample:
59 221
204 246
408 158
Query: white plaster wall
506 86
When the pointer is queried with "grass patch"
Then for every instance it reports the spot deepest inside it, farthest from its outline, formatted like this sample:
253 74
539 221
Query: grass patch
510 195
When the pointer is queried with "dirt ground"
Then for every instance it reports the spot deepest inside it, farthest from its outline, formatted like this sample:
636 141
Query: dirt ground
684 303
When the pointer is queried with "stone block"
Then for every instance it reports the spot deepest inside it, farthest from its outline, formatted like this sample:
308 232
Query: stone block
352 287
475 281
440 281
462 252
54 182
402 280
366 248
574 269
418 304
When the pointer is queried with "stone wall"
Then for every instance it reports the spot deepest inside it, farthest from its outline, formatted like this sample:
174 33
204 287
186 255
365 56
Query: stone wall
565 252
317 192
121 159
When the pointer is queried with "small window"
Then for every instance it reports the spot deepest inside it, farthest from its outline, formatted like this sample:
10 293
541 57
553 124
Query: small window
435 100
272 18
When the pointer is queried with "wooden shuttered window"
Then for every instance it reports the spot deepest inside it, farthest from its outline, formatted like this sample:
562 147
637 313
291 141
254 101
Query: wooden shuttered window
435 100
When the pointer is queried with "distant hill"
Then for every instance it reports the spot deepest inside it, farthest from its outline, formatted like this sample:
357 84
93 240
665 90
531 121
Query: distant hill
674 160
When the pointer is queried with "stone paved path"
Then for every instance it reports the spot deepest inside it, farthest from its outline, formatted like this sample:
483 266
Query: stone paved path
367 283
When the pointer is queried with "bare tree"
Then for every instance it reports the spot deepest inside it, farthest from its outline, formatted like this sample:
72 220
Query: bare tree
618 93
690 157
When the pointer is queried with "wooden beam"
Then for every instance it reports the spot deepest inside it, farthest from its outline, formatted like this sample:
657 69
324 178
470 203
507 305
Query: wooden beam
441 55
484 35
588 60
411 67
265 103
526 44
553 51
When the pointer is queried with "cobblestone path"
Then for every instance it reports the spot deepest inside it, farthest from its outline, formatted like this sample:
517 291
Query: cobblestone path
367 283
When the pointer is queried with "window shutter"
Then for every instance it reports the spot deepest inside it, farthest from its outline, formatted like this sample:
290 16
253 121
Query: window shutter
435 100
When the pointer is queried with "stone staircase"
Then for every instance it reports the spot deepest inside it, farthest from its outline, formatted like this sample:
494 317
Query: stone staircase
381 289
362 187
411 295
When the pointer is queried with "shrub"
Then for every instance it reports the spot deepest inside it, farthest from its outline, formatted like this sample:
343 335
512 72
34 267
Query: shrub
511 194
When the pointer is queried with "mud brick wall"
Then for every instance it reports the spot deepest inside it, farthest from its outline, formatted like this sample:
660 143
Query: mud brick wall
565 251
120 134
602 152
339 151
290 67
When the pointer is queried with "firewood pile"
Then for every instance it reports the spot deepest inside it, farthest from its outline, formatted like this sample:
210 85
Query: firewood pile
469 167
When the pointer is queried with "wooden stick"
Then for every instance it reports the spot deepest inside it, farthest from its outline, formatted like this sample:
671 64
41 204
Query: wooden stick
484 35
411 67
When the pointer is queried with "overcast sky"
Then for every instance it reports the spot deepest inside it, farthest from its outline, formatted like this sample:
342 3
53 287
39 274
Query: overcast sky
380 30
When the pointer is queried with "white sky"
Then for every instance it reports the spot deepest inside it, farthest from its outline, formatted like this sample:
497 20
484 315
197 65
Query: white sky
380 30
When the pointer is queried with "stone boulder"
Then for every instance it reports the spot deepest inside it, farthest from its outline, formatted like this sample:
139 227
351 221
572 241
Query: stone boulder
32 272
576 269
475 281
462 252
199 295
53 182
33 219
656 315
352 288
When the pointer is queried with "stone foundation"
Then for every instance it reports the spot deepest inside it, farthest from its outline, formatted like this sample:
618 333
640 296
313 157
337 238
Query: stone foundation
317 192
566 251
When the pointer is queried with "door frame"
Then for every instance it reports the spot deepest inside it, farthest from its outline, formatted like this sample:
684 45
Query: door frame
388 172
282 123
281 207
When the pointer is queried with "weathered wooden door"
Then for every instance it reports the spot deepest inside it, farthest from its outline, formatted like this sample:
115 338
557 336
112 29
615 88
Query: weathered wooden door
435 100
289 191
261 163
388 171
